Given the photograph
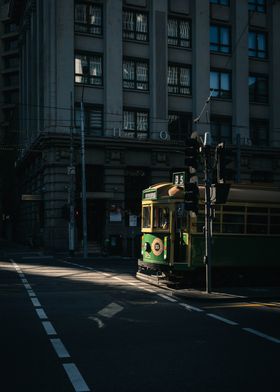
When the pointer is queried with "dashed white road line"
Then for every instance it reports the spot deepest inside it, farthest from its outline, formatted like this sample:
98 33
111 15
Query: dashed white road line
35 302
71 369
41 314
262 335
222 319
167 298
190 307
75 377
49 328
60 348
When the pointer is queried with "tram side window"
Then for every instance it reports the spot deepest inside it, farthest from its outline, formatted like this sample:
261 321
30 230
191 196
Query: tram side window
233 220
161 218
146 214
257 220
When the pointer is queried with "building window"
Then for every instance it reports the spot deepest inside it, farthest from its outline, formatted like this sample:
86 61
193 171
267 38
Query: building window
221 2
88 69
88 18
257 44
259 132
179 125
135 74
135 124
258 88
179 79
220 84
179 32
221 130
135 25
257 5
93 120
220 39
11 44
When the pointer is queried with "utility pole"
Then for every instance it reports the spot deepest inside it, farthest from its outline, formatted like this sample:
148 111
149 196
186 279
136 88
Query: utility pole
71 198
238 154
207 225
84 188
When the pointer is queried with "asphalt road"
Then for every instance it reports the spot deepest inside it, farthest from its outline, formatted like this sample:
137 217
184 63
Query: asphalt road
75 326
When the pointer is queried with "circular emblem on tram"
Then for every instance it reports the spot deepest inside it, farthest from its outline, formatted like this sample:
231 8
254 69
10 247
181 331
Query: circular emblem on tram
157 246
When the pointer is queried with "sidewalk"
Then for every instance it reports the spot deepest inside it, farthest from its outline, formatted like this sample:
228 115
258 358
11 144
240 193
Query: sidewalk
231 293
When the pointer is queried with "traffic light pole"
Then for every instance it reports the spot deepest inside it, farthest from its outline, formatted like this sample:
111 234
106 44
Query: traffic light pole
84 189
207 225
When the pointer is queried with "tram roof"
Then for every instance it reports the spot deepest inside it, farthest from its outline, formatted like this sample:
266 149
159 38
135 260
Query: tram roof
238 192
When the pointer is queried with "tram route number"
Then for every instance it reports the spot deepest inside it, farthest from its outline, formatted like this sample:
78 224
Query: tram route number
179 178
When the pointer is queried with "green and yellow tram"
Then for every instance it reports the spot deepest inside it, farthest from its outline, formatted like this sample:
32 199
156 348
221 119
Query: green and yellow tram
245 230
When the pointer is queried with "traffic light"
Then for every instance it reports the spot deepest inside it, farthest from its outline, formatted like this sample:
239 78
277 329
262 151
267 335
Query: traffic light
191 197
191 153
223 160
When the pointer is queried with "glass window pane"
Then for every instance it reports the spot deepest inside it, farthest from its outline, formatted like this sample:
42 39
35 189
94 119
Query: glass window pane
185 77
214 36
224 35
252 40
81 13
128 120
214 83
172 28
142 121
146 213
225 81
184 29
141 23
128 20
261 41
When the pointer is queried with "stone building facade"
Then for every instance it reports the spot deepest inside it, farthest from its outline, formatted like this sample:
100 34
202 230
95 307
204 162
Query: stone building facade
144 69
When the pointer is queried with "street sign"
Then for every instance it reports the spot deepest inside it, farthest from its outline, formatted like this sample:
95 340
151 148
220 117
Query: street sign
31 197
179 178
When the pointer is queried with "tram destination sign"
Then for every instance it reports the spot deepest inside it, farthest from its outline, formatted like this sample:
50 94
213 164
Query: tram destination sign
150 194
179 178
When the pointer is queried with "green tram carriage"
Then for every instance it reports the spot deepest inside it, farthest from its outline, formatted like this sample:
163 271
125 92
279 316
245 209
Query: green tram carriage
245 230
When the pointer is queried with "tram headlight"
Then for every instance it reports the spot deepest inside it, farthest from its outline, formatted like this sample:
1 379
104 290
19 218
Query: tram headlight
147 247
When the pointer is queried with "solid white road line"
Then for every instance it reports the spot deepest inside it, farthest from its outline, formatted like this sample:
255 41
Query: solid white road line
222 319
262 335
167 297
190 307
35 302
59 348
110 310
41 314
24 280
49 328
27 286
75 377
